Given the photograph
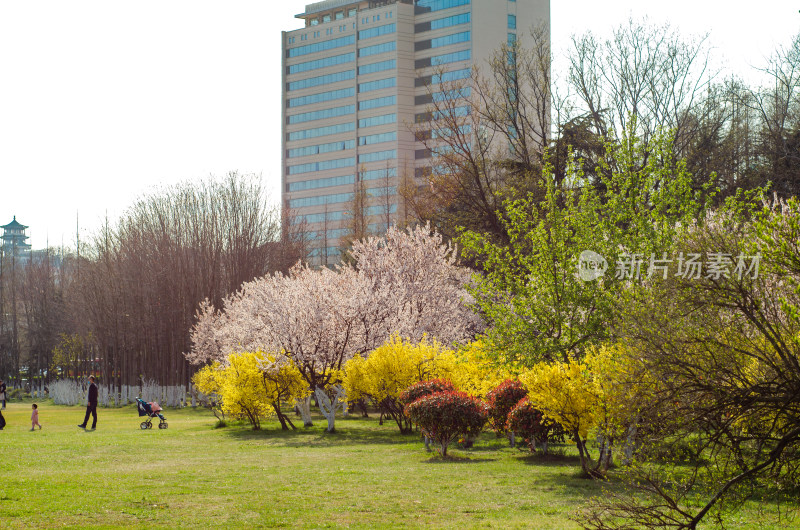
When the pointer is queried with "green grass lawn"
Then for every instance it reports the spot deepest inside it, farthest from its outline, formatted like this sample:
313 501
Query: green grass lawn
192 475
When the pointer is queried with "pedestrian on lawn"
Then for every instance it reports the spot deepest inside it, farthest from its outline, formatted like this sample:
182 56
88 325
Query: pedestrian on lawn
91 407
35 417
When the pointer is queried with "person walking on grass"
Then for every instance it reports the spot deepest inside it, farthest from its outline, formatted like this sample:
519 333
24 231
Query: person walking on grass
35 417
91 407
2 421
3 392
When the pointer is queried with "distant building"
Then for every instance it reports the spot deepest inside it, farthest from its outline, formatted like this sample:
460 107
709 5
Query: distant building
356 76
15 240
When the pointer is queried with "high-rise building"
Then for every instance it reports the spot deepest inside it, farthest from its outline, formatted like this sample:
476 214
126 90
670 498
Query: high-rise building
354 80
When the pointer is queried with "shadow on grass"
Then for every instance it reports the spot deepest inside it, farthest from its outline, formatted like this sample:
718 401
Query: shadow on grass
347 434
457 459
549 460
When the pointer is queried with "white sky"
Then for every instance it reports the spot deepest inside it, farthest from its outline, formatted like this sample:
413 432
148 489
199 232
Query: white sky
103 100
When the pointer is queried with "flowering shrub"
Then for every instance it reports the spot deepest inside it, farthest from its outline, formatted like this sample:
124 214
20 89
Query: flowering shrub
424 388
501 400
475 370
446 416
388 371
532 426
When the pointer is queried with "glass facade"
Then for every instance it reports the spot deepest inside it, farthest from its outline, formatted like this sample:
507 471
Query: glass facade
321 131
322 80
334 112
377 156
377 31
377 85
378 48
321 148
319 200
377 67
382 192
321 63
377 102
453 75
377 120
447 40
319 217
321 46
321 166
380 209
446 22
322 96
512 22
377 138
321 183
375 174
428 6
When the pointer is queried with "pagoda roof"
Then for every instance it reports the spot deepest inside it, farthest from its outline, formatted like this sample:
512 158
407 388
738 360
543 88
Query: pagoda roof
14 224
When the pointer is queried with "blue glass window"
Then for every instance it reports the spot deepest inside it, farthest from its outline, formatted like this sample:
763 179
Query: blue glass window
321 46
321 183
375 174
322 80
512 38
322 131
376 85
382 192
429 6
321 148
322 96
377 156
447 40
453 75
377 120
322 63
377 102
334 112
512 22
376 31
452 94
371 68
321 166
379 209
378 48
318 217
377 138
446 22
319 200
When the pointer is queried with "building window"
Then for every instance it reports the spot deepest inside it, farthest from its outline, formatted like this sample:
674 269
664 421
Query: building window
377 103
320 149
321 131
339 15
429 6
320 183
377 120
320 97
378 48
321 166
512 39
376 85
321 46
334 112
512 22
321 80
377 138
377 31
377 156
320 200
326 18
371 68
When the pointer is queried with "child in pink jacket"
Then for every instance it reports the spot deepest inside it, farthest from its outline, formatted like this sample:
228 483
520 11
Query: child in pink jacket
35 417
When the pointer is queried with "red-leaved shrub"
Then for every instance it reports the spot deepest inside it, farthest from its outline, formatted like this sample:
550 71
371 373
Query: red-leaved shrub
445 416
525 420
501 400
424 388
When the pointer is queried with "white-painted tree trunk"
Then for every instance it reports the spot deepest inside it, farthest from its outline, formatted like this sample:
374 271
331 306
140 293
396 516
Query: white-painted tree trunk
304 406
328 407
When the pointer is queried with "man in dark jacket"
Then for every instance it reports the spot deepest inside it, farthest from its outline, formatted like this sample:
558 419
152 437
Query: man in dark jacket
91 408
3 392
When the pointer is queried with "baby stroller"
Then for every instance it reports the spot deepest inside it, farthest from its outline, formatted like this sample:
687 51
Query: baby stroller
151 410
